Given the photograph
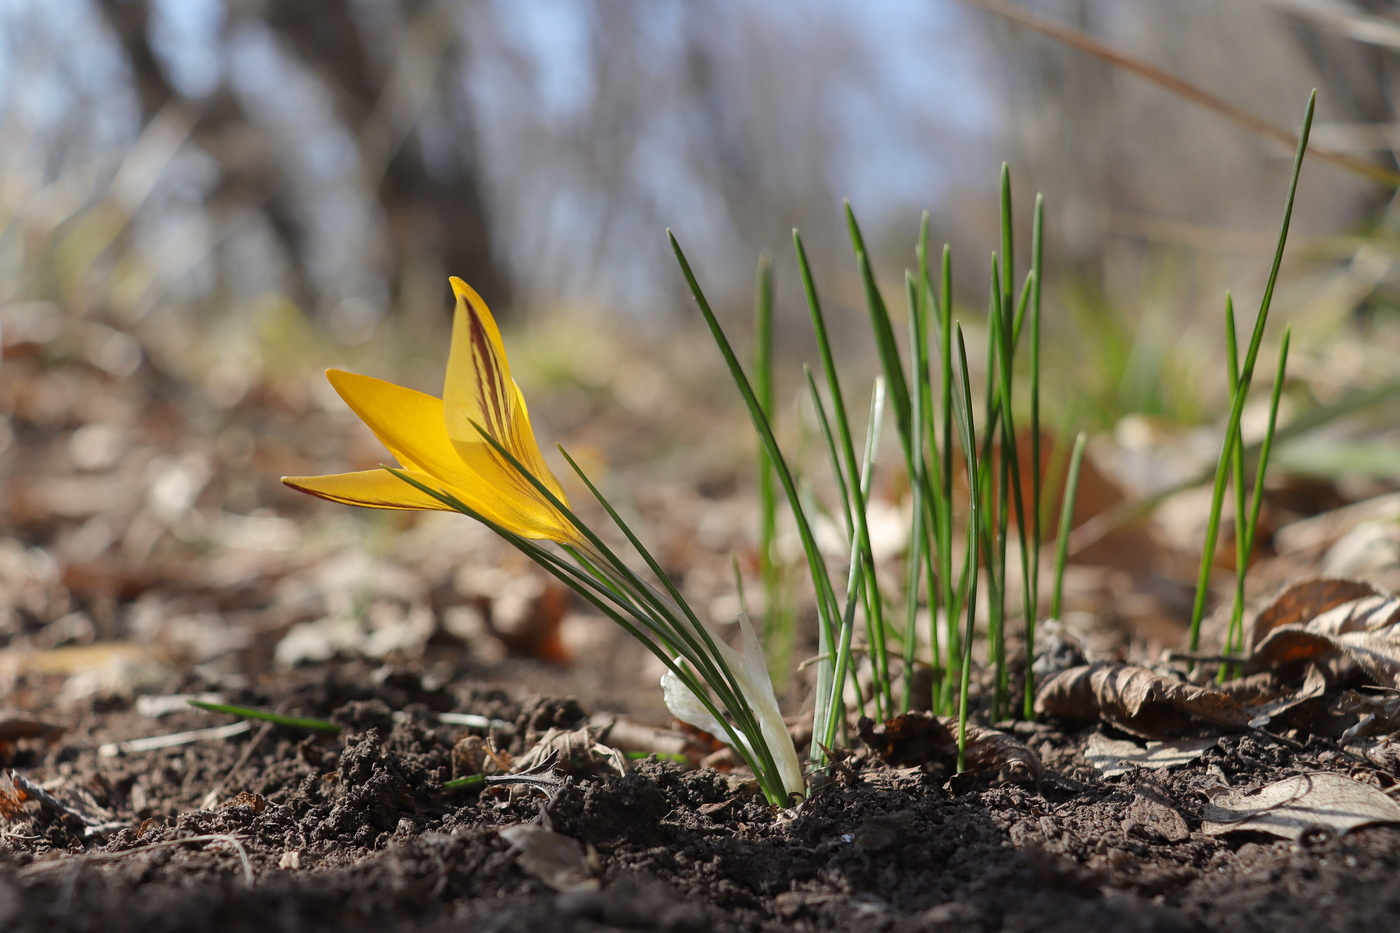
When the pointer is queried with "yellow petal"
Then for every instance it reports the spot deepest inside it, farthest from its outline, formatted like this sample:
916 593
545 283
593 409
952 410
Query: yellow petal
478 384
527 449
479 390
407 422
531 514
411 425
375 489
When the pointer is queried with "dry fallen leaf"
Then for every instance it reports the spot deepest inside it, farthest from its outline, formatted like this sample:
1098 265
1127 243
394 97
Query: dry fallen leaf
559 861
1311 619
1383 753
1137 701
1113 757
918 738
1379 712
1290 807
1314 686
14 727
1152 814
575 752
1305 601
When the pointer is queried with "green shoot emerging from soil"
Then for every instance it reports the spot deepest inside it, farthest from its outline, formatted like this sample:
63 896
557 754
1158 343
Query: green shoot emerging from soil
1232 452
474 452
924 413
999 556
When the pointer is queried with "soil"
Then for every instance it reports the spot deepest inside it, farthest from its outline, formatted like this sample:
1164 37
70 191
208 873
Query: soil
147 551
281 829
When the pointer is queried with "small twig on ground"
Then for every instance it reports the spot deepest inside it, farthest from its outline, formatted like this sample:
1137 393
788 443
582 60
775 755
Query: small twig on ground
470 720
232 840
113 749
1195 658
541 777
625 735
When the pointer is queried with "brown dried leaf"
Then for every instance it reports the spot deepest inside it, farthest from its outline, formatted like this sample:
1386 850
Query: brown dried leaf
559 861
1153 815
12 800
993 751
16 727
472 754
1136 700
1114 757
1379 712
1303 602
1365 629
532 628
918 739
245 798
575 752
1314 686
1384 753
1290 807
910 739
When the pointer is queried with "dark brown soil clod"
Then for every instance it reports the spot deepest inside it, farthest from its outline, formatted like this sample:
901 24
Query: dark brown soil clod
353 832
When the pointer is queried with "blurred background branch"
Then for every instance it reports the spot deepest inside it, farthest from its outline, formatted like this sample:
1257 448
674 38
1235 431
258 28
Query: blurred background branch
180 170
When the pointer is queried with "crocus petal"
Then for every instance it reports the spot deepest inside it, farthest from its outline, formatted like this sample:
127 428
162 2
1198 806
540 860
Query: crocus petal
528 451
530 513
686 706
478 386
411 425
375 489
751 673
759 690
478 392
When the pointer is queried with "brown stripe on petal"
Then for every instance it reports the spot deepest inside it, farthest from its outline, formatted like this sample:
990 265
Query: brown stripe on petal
490 383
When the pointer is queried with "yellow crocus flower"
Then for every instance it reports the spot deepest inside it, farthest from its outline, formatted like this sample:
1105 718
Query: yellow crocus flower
437 443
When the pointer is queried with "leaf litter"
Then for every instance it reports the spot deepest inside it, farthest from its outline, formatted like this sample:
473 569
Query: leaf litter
1137 700
1299 804
157 569
1320 617
1116 757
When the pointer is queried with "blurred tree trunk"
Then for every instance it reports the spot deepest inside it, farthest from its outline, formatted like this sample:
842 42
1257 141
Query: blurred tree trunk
434 215
430 213
250 176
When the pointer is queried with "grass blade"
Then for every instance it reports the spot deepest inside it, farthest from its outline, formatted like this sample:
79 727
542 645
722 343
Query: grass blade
248 712
1247 529
779 622
1232 367
856 507
1037 489
953 607
925 518
1246 376
968 437
1008 252
1076 460
826 600
884 332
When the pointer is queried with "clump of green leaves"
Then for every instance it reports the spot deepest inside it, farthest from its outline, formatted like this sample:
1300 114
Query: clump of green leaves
928 395
1231 463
